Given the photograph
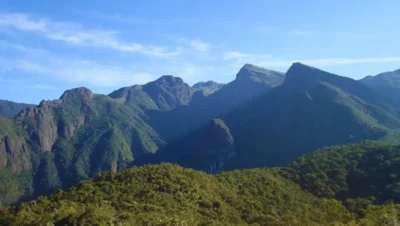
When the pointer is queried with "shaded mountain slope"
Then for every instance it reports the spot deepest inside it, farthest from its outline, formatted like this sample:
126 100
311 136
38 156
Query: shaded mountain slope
251 82
207 149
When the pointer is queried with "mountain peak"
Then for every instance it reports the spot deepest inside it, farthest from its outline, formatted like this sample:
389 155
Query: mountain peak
169 79
168 92
306 75
81 91
252 73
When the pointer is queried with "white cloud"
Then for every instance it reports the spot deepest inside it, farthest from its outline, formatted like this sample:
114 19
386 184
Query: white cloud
328 61
300 33
234 55
120 18
200 45
77 34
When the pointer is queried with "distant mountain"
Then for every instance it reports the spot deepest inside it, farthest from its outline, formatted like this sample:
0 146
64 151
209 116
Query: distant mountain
311 109
10 109
207 88
387 83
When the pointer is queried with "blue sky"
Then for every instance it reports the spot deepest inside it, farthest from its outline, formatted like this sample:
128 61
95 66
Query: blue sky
47 46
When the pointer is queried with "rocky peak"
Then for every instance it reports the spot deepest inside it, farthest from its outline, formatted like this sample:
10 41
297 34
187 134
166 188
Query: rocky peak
167 81
304 76
168 92
77 92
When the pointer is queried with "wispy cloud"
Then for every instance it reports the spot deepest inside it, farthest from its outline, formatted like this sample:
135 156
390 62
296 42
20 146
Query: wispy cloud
39 62
238 59
77 34
328 61
200 45
86 72
191 44
234 55
120 18
300 33
35 61
43 87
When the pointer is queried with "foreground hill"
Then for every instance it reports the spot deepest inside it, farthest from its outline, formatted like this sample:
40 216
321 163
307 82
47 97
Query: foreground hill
10 109
364 170
171 195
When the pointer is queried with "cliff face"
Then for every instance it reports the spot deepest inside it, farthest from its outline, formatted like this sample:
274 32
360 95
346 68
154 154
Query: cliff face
14 154
14 151
51 119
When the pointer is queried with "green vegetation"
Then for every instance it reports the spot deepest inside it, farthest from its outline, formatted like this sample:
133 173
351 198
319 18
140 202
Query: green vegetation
365 170
171 195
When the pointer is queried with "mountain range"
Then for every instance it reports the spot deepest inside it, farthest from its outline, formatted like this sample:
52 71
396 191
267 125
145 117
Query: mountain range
262 118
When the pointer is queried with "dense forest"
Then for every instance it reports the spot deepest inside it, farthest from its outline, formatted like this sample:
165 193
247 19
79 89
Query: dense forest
341 185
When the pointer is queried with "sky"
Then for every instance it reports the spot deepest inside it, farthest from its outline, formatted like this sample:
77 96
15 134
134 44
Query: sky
48 46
